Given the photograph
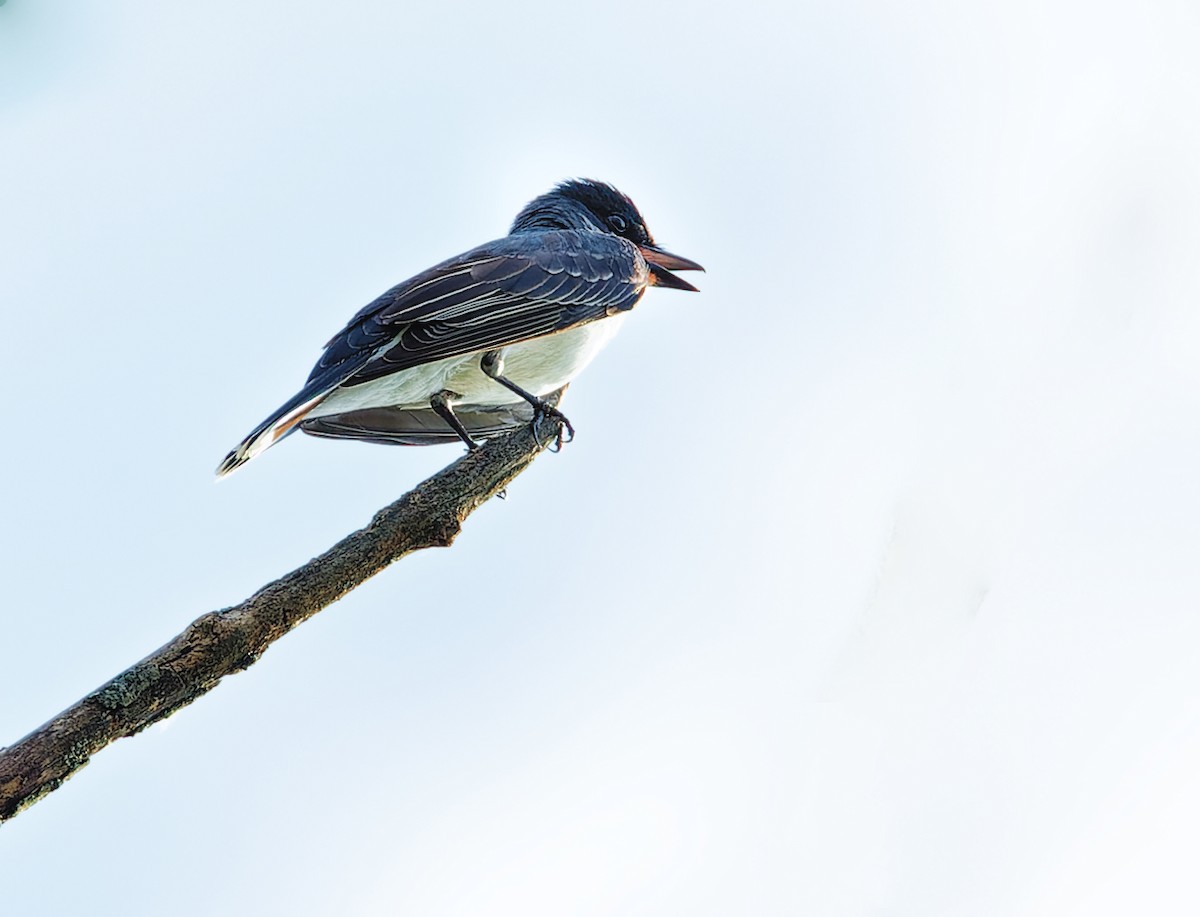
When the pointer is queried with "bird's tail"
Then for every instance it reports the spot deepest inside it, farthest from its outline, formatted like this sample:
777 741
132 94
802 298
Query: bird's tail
271 430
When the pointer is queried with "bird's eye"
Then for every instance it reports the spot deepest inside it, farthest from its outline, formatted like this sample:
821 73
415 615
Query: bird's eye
618 223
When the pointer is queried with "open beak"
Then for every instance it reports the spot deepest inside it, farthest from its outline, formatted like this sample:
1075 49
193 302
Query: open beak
663 262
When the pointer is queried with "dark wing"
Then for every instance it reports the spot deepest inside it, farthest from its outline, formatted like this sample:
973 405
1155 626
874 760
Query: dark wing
516 288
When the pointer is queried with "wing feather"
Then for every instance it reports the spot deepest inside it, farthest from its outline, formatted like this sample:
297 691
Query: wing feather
520 287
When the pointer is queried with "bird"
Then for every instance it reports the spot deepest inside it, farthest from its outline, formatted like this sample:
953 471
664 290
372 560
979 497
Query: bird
487 340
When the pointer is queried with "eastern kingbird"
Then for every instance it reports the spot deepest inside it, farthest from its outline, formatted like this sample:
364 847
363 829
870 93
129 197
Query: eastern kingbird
485 341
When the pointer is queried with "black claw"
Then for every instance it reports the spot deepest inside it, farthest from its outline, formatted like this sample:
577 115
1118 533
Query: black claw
566 432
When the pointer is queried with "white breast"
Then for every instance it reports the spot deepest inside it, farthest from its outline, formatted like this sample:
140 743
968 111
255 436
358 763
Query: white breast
540 366
545 364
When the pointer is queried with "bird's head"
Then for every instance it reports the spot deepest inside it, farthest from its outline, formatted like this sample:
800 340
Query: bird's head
583 203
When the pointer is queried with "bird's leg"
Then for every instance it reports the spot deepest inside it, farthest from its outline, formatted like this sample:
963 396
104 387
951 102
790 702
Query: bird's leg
493 367
443 405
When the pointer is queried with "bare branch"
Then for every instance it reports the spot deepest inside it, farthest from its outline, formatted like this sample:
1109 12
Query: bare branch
224 642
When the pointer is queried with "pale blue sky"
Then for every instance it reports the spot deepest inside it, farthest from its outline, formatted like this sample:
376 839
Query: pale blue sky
876 560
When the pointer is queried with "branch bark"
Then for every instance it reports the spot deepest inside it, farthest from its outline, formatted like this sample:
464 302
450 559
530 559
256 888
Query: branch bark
224 642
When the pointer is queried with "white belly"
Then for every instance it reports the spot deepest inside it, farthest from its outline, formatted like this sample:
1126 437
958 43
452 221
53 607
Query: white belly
540 366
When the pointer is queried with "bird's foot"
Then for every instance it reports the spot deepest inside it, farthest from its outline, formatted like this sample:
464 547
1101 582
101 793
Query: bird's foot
565 432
